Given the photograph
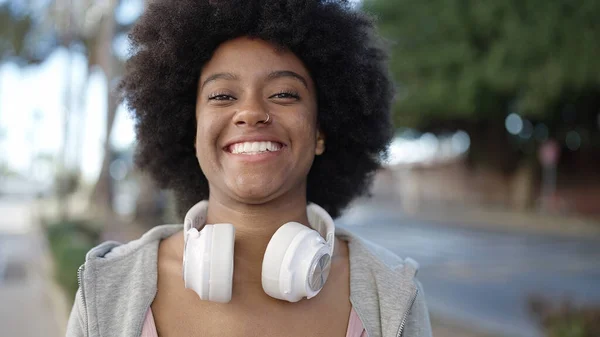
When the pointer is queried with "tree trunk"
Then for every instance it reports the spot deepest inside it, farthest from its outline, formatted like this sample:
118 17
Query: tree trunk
102 195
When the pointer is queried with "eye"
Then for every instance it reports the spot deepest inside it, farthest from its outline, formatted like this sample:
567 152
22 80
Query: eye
220 97
286 95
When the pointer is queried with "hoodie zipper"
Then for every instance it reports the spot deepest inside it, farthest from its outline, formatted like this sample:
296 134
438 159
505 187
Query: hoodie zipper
405 316
82 295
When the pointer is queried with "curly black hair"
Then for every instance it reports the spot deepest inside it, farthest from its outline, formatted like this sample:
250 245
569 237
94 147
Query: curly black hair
339 46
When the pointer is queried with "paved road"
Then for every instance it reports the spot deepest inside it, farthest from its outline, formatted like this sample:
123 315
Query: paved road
26 308
483 277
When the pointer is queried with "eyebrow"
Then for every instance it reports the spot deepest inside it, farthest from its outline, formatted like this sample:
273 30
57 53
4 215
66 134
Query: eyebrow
271 76
217 76
287 73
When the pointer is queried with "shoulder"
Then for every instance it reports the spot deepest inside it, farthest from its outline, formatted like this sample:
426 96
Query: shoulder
116 265
112 250
117 283
384 289
365 253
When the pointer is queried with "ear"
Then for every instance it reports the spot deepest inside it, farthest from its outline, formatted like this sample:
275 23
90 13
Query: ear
320 147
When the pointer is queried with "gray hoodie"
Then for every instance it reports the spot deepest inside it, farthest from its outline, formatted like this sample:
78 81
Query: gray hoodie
117 285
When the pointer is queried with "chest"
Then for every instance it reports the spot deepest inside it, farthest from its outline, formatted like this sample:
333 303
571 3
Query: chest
181 313
249 324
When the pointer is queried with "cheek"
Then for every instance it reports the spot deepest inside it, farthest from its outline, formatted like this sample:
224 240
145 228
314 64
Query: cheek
305 128
207 126
205 138
305 134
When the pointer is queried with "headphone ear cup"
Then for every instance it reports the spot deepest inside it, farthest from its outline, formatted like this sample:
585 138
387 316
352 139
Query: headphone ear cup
208 262
276 251
221 263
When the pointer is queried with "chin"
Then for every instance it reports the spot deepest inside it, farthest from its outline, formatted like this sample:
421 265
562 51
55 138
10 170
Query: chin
254 194
249 199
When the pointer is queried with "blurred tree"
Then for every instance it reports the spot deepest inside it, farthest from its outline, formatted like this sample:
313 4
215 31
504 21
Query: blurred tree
30 32
13 30
102 53
468 63
19 28
92 24
27 33
100 46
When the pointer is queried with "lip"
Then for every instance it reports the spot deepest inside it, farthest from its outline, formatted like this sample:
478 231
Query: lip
252 139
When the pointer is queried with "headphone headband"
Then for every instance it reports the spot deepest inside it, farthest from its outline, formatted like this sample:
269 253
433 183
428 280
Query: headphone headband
321 221
318 219
196 217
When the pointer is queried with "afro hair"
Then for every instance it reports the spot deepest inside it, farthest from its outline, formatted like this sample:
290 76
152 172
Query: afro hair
337 43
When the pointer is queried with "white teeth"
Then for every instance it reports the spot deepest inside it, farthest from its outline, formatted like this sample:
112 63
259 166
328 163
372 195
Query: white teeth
254 147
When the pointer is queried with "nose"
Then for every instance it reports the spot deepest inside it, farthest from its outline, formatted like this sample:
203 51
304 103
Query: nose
251 114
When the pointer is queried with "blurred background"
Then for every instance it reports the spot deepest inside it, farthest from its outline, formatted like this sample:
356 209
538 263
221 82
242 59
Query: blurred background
492 182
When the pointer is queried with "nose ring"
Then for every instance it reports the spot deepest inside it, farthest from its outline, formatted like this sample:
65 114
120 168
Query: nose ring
268 118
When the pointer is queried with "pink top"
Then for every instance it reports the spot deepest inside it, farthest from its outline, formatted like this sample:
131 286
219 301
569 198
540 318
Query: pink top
355 326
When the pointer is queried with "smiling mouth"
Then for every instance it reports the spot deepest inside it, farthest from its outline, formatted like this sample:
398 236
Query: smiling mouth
253 148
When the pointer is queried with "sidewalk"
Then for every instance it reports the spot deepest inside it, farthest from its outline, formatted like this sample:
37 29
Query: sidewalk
30 304
444 328
525 222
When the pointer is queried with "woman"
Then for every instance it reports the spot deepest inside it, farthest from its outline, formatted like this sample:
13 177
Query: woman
266 118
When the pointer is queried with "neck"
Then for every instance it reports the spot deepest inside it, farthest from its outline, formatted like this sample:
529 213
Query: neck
254 227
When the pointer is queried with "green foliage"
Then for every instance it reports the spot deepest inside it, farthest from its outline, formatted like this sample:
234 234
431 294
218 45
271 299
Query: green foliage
564 319
13 32
69 242
475 60
567 327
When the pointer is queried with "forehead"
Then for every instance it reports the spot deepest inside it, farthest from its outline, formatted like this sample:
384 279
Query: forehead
245 56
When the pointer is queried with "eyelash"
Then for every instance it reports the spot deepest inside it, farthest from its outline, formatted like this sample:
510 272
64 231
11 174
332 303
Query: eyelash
224 96
289 93
219 97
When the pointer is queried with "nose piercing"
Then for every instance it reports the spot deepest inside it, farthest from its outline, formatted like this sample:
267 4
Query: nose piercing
268 118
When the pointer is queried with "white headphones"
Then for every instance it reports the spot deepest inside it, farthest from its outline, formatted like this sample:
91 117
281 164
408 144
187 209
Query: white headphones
296 263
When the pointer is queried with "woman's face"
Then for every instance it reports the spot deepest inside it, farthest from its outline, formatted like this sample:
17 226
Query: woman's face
257 122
